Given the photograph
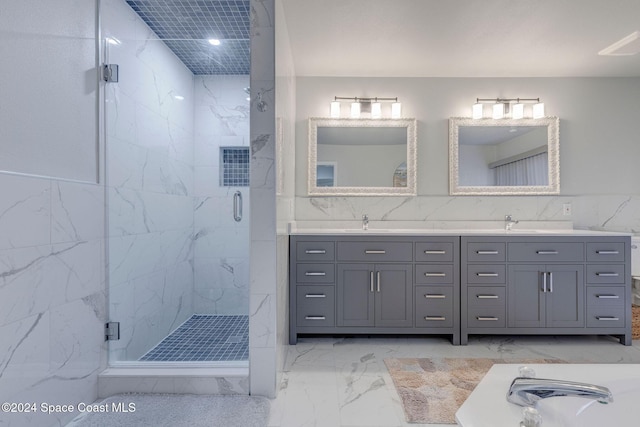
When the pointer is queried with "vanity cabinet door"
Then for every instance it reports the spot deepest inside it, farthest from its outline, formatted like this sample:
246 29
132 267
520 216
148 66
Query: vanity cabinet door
375 295
550 296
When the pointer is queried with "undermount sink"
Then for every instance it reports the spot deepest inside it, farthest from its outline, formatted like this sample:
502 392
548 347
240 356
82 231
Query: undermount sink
487 405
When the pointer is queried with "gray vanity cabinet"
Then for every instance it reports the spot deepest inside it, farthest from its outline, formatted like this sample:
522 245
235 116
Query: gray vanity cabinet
561 285
374 284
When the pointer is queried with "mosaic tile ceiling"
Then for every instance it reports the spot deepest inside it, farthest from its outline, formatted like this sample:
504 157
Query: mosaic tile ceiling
185 26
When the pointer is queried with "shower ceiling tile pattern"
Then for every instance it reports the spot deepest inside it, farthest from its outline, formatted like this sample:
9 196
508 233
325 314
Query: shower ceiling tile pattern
185 26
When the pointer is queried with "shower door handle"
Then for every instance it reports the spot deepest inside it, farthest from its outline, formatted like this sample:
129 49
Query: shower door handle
237 206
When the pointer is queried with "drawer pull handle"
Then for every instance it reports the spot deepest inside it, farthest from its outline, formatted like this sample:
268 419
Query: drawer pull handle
435 296
315 251
315 273
608 296
487 252
435 274
607 318
486 318
487 274
607 252
375 251
315 296
607 274
438 318
315 318
547 252
434 252
487 296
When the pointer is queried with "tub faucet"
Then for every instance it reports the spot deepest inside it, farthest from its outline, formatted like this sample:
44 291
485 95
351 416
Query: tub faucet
509 222
527 391
365 222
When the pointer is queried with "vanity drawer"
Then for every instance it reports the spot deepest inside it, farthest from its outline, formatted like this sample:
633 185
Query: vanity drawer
486 317
315 273
546 252
605 296
315 305
315 251
486 252
605 317
434 273
375 251
605 273
434 251
605 252
486 296
486 273
434 306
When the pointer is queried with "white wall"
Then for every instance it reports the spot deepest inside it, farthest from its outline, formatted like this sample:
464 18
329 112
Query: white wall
599 149
52 283
150 185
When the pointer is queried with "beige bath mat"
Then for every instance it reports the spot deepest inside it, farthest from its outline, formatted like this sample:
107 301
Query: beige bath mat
432 390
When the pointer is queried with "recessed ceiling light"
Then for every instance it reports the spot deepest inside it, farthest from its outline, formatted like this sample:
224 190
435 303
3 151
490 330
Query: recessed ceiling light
214 42
630 45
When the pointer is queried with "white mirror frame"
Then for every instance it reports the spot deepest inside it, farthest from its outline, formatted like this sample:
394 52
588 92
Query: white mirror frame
553 142
409 190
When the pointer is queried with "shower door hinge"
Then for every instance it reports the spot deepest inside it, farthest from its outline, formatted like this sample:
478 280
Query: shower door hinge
110 73
112 331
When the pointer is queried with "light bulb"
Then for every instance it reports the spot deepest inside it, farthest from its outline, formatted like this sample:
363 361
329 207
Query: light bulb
335 109
355 110
376 110
517 111
538 110
476 111
498 110
396 110
214 42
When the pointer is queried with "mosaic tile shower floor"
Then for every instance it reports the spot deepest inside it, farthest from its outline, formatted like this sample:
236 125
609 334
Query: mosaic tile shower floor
204 338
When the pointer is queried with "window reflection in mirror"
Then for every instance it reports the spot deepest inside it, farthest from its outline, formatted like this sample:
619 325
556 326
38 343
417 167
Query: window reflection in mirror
504 156
362 156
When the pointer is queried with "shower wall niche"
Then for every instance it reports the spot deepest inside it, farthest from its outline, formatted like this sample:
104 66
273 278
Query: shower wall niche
174 249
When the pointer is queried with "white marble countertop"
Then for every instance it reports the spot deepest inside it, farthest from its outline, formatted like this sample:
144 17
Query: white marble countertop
456 228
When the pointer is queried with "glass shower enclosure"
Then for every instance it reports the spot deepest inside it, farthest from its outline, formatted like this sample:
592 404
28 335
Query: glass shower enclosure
177 165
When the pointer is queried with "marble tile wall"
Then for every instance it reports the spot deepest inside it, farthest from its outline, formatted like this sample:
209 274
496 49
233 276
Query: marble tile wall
263 299
150 184
52 294
221 247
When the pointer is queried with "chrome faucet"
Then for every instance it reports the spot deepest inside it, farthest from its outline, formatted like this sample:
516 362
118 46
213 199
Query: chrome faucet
365 222
527 391
509 222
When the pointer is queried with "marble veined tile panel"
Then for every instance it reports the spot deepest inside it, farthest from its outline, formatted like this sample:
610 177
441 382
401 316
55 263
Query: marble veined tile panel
77 211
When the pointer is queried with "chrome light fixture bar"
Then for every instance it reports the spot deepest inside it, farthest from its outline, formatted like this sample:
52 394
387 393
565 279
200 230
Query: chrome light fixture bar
371 106
502 107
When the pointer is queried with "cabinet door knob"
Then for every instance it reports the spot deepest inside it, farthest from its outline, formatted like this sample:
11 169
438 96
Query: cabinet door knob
486 318
434 252
607 318
607 274
315 251
435 296
437 318
375 251
435 274
315 273
487 274
487 252
315 296
547 252
608 296
607 252
487 296
315 318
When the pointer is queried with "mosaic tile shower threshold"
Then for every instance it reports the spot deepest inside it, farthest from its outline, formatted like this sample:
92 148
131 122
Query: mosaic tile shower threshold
205 338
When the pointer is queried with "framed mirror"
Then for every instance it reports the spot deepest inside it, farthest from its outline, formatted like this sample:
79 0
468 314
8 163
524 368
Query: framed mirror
362 157
504 156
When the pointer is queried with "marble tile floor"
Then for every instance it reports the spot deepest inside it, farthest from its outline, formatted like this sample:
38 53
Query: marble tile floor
343 382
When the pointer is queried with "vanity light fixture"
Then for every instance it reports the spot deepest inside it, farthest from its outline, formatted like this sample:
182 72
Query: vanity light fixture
505 107
360 106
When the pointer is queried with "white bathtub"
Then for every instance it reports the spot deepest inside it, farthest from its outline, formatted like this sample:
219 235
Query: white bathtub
487 405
